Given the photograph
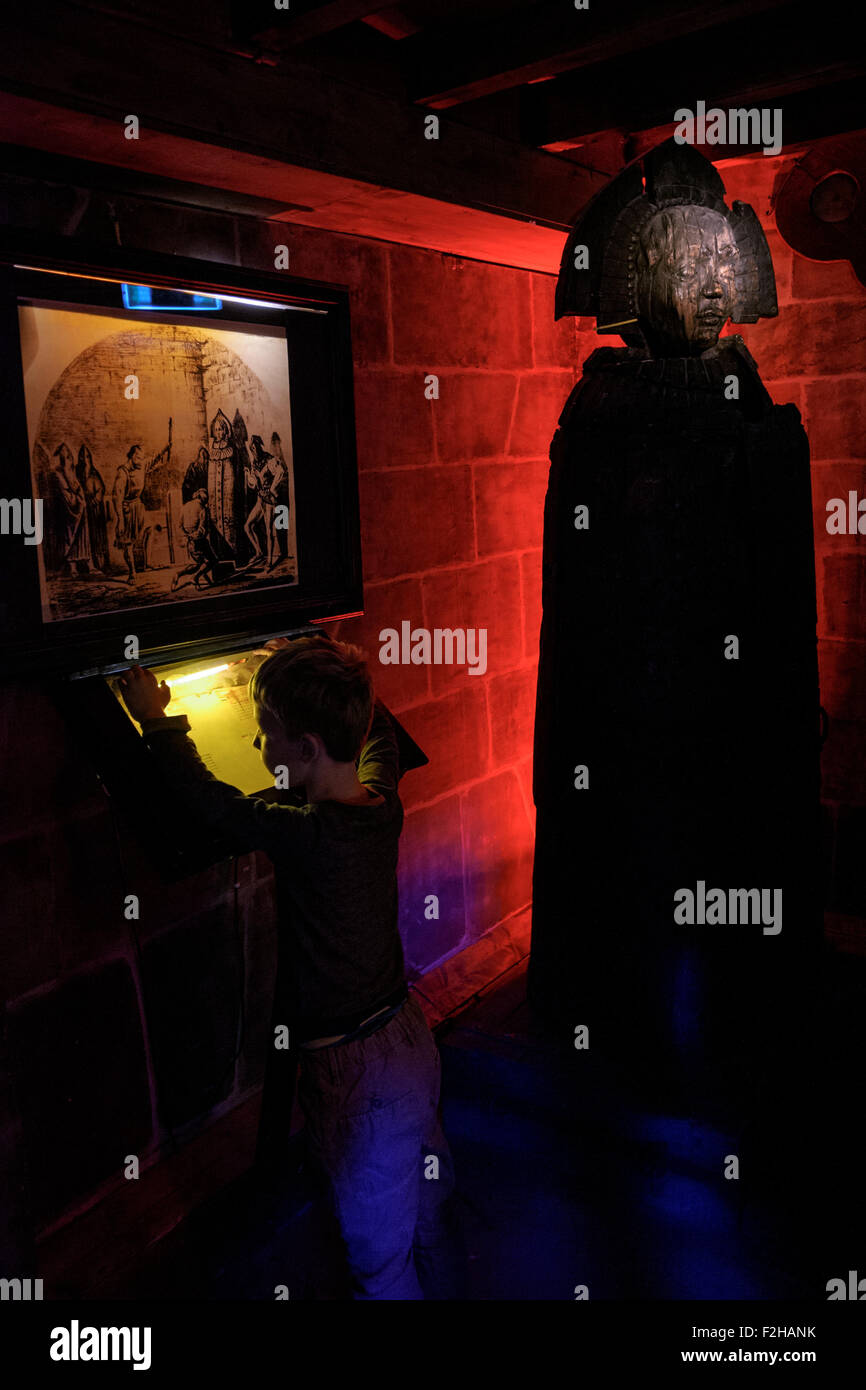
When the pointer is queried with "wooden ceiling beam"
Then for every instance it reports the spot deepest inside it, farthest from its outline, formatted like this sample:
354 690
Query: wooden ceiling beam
112 68
287 29
646 89
458 62
393 23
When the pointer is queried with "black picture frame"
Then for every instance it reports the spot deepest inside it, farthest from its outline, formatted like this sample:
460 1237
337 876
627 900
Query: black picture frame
315 316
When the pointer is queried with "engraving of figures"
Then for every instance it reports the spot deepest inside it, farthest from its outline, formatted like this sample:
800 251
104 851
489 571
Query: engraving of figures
195 480
196 524
196 476
240 436
74 539
133 533
97 509
266 475
224 480
118 526
282 533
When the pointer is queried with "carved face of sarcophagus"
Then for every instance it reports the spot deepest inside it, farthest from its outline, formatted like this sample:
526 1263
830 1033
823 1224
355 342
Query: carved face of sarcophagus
686 279
660 259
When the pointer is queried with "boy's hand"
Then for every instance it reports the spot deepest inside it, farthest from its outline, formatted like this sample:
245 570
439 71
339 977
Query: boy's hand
142 695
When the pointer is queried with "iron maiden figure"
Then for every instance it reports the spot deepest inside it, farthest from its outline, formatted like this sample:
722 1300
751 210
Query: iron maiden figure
676 738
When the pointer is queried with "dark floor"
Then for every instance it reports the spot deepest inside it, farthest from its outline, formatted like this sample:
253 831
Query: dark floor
572 1173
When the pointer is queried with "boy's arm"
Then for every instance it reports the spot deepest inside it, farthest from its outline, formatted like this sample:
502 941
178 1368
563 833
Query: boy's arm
242 822
246 823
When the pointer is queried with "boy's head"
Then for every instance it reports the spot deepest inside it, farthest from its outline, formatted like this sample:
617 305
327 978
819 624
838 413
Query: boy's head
313 701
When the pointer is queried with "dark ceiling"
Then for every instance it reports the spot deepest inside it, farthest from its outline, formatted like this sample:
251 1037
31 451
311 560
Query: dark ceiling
598 84
318 113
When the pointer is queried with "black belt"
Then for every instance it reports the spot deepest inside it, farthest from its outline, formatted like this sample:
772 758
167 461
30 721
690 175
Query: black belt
371 1026
351 1026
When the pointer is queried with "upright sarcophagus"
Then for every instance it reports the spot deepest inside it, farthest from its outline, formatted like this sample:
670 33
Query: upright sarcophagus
677 726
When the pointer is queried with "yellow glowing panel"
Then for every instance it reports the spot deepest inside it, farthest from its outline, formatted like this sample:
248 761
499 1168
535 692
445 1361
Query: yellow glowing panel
223 729
214 696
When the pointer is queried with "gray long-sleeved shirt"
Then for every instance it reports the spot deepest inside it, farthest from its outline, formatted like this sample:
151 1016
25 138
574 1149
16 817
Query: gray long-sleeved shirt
335 874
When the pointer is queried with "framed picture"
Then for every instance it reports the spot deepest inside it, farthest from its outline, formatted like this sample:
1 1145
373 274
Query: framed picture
182 467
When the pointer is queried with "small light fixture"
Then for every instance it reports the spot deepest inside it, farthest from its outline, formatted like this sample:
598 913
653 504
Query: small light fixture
153 297
198 675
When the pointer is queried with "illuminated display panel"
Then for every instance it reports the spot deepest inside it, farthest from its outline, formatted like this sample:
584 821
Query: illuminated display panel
194 475
162 450
215 699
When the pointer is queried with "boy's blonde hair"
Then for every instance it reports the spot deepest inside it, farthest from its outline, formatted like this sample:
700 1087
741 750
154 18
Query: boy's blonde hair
318 686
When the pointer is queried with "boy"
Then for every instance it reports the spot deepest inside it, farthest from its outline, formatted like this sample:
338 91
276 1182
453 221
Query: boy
369 1068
